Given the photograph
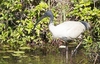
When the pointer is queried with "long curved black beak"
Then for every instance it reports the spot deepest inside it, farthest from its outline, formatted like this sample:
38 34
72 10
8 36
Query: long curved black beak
38 22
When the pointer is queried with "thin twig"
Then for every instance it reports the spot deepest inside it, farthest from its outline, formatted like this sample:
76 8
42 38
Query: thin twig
81 61
76 48
95 58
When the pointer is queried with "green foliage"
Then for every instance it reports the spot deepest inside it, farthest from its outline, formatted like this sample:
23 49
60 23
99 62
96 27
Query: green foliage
17 19
17 22
85 11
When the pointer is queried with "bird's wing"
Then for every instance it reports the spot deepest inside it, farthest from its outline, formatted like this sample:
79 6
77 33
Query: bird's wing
70 29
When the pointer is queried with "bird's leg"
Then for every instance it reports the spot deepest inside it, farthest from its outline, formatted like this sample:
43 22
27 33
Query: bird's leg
66 54
63 47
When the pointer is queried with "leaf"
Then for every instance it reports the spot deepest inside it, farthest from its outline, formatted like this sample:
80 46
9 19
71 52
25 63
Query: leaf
6 56
19 52
23 48
10 51
16 54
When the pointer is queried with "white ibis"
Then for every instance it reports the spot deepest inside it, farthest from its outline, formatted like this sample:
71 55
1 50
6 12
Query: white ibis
68 30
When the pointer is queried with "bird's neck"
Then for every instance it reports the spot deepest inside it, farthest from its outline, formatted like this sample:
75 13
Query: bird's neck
51 25
52 28
51 20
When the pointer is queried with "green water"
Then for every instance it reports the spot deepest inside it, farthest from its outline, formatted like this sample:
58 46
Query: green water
32 59
51 58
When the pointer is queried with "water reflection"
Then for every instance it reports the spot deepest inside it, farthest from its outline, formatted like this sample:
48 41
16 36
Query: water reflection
51 58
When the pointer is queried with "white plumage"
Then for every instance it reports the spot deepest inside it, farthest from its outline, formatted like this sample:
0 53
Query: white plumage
67 30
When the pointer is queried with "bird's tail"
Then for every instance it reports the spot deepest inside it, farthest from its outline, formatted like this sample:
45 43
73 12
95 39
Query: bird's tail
86 24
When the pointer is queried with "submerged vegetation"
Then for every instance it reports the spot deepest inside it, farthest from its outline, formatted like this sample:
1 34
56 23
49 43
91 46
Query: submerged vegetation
17 19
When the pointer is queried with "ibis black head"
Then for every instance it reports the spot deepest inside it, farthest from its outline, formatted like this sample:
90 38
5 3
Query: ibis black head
46 14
